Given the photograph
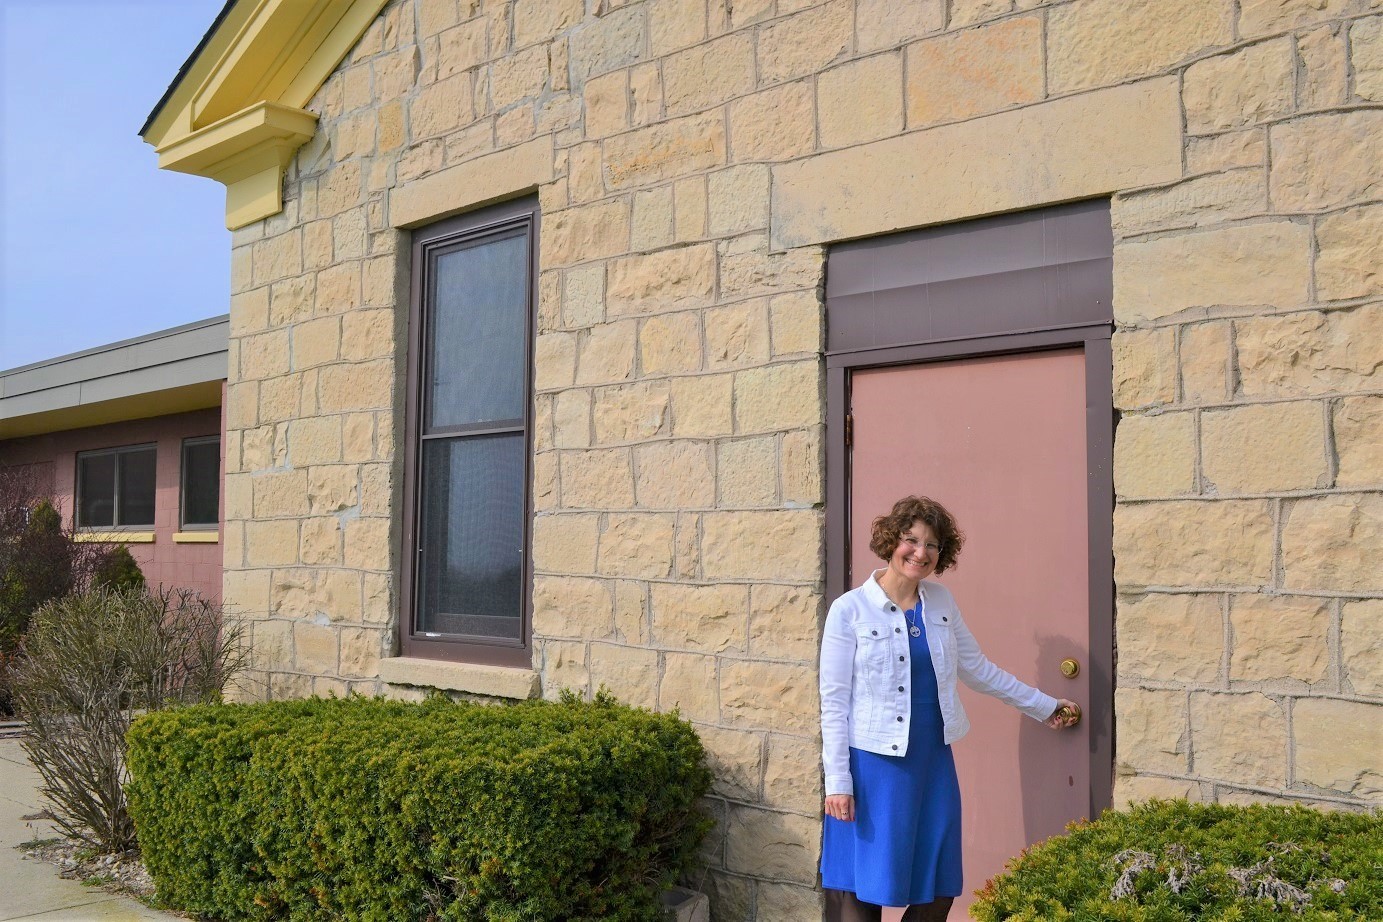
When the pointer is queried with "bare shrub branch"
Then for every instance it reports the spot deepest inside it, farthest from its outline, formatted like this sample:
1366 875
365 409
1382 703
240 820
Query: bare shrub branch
89 664
1259 882
1133 862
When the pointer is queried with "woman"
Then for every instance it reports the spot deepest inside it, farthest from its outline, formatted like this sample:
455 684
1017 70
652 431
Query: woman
890 656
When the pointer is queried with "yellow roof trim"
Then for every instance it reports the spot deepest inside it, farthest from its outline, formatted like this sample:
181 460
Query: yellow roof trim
237 114
247 152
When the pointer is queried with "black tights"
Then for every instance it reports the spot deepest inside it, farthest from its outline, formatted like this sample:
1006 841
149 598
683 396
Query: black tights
844 906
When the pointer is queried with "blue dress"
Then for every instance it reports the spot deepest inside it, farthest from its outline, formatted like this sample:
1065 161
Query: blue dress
904 846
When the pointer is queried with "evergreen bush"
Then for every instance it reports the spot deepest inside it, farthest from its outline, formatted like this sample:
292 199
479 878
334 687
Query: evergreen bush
38 563
1173 861
373 809
39 560
6 695
118 571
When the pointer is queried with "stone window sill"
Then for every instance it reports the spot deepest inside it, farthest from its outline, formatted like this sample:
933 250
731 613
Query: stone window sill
114 537
195 537
493 681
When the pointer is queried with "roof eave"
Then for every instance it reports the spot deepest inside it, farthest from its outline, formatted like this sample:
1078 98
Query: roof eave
235 112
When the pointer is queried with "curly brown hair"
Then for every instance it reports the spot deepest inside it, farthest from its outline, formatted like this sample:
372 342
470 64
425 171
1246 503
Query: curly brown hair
888 529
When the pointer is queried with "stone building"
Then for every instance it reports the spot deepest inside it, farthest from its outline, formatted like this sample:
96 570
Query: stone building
567 337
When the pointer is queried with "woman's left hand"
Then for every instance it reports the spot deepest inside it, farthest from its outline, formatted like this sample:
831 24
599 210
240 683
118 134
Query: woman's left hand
1064 716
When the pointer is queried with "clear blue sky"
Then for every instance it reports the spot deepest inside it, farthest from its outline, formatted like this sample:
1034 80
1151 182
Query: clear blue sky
98 244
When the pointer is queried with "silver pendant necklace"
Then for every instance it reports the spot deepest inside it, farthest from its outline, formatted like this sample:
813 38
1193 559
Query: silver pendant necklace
914 618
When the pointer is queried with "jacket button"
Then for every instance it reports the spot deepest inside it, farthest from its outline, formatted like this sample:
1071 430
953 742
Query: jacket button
943 617
874 633
900 688
900 659
900 720
897 630
893 608
895 748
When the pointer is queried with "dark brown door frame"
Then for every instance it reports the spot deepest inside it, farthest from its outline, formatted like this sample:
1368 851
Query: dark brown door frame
1099 427
1072 277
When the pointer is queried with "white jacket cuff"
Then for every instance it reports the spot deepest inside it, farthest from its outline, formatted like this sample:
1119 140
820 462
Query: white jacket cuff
840 784
1042 708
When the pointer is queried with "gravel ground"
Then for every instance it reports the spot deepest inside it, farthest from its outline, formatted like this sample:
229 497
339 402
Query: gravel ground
116 873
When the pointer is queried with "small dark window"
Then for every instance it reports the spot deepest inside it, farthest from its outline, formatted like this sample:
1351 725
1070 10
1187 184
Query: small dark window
201 482
115 487
466 573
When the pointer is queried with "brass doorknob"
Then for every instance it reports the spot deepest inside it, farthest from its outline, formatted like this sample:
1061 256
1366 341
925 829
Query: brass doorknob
1069 712
1070 668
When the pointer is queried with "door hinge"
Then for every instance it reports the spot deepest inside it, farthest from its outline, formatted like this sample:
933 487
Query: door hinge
849 430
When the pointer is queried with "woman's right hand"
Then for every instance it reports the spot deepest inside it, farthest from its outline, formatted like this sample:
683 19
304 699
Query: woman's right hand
841 806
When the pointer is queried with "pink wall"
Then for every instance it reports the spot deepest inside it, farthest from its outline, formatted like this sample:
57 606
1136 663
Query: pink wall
189 566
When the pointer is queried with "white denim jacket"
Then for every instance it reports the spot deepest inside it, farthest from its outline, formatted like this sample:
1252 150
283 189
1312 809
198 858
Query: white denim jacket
866 676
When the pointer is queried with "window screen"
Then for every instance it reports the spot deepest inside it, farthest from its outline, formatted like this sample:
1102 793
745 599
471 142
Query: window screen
468 473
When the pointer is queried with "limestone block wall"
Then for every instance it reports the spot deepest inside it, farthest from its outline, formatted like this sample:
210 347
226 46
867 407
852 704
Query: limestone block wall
1247 463
678 541
678 418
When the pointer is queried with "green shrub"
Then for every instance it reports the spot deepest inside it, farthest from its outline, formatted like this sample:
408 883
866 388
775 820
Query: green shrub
1169 861
38 561
118 571
6 695
373 809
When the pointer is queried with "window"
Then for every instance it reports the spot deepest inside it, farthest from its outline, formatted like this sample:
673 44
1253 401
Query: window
466 573
115 487
201 482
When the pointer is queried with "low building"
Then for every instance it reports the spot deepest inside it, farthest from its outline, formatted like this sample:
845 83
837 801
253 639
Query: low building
576 344
127 439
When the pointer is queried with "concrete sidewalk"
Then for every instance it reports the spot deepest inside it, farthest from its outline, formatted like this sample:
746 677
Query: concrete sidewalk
32 889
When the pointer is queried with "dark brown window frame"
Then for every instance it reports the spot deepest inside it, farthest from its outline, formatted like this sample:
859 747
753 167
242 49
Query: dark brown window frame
1071 299
183 523
115 525
491 221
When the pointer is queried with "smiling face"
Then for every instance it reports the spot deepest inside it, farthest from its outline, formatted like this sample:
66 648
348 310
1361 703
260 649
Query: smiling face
915 557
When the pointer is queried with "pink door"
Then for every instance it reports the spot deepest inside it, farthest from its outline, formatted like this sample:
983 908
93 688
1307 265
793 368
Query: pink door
1001 442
